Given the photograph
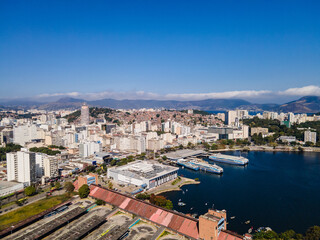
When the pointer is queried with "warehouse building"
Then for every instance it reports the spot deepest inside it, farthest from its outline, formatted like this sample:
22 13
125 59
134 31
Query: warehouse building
7 188
148 174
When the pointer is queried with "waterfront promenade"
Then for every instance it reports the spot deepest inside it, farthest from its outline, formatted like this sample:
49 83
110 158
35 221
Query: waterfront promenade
168 187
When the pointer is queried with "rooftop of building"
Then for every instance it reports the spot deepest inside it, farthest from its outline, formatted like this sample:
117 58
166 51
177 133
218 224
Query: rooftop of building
211 217
143 169
228 235
88 176
175 221
6 184
183 153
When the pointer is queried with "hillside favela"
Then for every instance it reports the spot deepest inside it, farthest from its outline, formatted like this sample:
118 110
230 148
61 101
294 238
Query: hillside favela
159 120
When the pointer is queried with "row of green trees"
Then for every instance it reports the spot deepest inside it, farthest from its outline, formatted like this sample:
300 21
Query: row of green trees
32 190
313 233
280 130
160 201
122 161
45 150
221 144
56 147
10 147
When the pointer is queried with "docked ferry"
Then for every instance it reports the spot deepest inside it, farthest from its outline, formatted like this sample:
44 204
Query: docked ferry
218 157
206 167
197 165
187 164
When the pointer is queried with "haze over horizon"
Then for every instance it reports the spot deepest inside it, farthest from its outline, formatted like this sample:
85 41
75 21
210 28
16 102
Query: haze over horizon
251 96
262 52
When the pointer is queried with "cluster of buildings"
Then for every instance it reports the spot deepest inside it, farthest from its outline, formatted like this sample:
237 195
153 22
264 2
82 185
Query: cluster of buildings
233 119
100 139
118 134
132 136
25 167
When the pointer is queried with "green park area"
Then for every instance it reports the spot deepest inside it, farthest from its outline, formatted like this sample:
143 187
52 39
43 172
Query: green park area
20 214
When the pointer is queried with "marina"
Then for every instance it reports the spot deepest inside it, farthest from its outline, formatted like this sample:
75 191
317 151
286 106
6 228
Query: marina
194 160
289 191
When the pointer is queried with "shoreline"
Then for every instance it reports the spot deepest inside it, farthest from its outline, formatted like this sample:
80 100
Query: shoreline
187 181
268 149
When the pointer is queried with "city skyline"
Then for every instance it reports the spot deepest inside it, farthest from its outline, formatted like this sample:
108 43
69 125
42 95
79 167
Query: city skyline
258 51
160 119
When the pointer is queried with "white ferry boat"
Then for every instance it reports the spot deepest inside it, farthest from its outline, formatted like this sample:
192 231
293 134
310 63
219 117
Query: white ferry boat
218 157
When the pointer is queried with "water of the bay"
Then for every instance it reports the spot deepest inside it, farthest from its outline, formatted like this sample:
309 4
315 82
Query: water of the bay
279 190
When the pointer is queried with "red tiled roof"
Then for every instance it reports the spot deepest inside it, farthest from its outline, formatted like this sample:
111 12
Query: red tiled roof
227 235
178 222
76 185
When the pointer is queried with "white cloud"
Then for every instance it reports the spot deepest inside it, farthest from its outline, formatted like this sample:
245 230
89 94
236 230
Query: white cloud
71 94
253 95
216 95
303 91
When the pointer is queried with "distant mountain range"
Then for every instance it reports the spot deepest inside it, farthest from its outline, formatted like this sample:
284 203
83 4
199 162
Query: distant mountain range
308 104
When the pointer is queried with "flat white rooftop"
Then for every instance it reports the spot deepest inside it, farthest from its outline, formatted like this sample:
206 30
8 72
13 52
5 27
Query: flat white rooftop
143 169
183 153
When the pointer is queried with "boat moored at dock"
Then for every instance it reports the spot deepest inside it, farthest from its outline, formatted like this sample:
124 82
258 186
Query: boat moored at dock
196 164
187 164
234 160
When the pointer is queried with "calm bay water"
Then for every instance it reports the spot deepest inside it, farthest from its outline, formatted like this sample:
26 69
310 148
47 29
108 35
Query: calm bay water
278 190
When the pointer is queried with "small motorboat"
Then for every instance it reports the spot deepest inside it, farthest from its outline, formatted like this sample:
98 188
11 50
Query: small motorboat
181 204
233 217
247 222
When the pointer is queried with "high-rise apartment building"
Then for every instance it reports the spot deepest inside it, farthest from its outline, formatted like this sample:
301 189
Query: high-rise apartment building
21 167
12 166
50 165
291 117
89 148
85 119
310 136
24 133
39 164
231 118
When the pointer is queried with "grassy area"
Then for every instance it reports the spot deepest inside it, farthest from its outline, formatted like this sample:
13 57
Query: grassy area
118 213
8 204
13 217
189 182
176 181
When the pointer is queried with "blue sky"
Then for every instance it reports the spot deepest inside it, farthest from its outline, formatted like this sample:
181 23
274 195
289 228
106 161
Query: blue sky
256 50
